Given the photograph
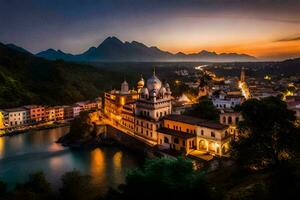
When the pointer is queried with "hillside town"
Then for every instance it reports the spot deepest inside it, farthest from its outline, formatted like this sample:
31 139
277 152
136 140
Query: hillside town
150 113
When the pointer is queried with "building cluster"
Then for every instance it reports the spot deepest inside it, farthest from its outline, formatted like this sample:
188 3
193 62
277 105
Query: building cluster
32 114
147 114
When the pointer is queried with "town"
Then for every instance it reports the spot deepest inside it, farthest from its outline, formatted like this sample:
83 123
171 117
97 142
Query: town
150 113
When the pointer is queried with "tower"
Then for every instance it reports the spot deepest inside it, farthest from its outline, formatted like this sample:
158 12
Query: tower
242 77
153 104
140 84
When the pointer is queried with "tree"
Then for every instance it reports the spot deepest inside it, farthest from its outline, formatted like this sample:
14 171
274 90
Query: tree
3 187
37 187
267 133
163 178
81 127
204 109
75 186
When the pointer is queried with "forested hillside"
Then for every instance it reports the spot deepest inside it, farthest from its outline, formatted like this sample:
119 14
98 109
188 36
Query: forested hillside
26 79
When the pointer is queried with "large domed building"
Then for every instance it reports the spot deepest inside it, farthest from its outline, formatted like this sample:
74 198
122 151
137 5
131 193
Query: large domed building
153 104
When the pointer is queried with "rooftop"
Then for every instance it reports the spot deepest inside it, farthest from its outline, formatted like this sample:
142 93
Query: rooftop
19 109
184 119
176 133
196 121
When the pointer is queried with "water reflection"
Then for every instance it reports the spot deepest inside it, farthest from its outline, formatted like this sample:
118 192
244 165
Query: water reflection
117 162
37 150
98 166
2 148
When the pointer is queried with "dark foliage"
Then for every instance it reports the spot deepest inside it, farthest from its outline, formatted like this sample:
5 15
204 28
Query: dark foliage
163 178
26 79
267 133
204 109
75 186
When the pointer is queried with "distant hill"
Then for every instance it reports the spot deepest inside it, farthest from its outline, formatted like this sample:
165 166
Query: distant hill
17 48
113 49
52 54
27 79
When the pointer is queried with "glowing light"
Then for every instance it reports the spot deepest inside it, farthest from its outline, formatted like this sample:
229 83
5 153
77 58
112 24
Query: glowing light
244 88
122 100
98 163
267 77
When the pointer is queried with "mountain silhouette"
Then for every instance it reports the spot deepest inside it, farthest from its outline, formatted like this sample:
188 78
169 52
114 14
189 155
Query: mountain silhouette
112 49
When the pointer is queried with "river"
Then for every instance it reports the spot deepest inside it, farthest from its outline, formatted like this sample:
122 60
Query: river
33 151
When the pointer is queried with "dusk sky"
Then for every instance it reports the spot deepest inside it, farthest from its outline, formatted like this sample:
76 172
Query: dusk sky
267 29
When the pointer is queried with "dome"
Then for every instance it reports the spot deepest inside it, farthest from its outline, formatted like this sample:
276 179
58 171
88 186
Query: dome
162 91
145 91
141 83
153 83
167 85
124 87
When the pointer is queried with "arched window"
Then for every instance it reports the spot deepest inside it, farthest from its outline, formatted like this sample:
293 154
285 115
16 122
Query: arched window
237 120
229 120
166 140
224 120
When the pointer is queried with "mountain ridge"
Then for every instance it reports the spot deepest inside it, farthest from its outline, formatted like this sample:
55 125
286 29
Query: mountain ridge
113 49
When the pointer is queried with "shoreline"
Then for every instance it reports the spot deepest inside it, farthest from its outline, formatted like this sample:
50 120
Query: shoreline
42 127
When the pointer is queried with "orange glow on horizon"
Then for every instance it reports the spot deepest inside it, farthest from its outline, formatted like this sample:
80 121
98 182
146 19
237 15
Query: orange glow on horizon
258 49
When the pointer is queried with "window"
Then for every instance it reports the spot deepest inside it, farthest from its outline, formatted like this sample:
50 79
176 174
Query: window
176 140
187 130
236 120
183 142
212 134
166 140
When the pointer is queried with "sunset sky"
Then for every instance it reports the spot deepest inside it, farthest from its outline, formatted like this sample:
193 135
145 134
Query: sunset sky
267 29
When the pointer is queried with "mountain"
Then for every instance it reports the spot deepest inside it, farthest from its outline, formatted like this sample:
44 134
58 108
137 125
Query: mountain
28 79
113 49
52 54
17 48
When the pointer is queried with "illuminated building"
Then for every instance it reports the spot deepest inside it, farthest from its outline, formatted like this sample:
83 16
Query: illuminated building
116 99
59 113
14 117
187 134
2 120
225 101
37 112
153 104
178 133
231 118
50 114
127 117
90 104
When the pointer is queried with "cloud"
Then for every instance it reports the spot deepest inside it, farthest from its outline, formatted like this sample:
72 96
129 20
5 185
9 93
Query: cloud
288 39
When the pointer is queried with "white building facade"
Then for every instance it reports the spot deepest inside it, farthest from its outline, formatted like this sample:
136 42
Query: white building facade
153 104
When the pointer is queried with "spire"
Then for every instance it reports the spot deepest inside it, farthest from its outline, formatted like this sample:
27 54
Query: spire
154 71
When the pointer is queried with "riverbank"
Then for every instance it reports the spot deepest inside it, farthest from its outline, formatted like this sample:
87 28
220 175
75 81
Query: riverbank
35 128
